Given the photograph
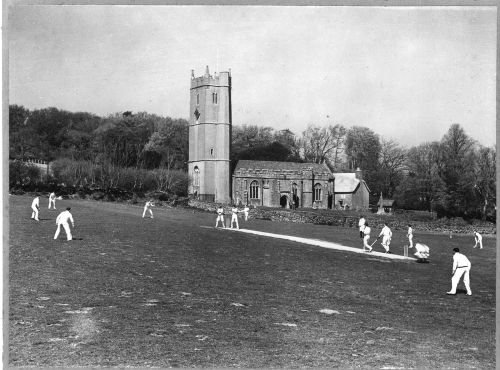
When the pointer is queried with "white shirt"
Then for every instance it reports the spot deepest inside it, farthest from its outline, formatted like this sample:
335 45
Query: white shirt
235 211
421 248
36 202
52 196
459 260
386 232
367 231
64 217
148 204
361 222
246 209
410 232
220 211
478 236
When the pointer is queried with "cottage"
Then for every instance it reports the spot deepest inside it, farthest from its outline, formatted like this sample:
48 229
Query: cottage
351 191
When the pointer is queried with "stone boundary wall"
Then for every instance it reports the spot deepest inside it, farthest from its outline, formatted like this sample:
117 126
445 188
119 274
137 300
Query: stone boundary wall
339 218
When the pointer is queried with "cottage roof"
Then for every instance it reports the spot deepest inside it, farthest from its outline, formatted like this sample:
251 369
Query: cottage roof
386 202
280 166
347 182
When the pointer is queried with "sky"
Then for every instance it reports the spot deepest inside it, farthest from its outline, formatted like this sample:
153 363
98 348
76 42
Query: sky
407 73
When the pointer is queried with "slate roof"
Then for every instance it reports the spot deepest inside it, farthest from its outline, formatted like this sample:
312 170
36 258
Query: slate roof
346 182
386 202
280 166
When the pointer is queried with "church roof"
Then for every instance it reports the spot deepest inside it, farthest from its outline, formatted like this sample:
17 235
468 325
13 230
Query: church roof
346 182
281 166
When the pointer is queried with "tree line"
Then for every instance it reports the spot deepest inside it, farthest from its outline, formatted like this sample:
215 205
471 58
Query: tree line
454 176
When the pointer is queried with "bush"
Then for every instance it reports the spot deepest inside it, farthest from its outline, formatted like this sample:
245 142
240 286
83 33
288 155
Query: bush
24 176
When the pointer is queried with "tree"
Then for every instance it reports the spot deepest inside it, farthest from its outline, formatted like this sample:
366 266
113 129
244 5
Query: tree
391 166
484 180
323 144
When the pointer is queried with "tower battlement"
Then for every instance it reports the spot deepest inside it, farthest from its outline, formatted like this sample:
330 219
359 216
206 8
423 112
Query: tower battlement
218 79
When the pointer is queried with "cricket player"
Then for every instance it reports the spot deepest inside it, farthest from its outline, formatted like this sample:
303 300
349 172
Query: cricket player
386 235
461 266
245 212
410 235
362 223
479 239
52 200
234 216
220 216
422 252
35 205
366 237
63 219
147 207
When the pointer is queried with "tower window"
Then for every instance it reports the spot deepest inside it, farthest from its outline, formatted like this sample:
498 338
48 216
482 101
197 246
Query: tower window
317 192
197 99
254 190
196 179
214 98
212 152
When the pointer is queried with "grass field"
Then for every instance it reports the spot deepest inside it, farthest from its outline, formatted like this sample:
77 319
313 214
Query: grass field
167 292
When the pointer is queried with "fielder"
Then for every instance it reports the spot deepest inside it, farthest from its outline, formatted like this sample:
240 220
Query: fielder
234 217
63 219
386 234
422 252
35 205
245 212
461 266
479 239
52 200
410 236
220 216
366 237
147 207
362 223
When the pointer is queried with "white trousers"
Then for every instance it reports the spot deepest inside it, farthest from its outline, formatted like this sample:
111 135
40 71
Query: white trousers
34 214
456 278
410 239
52 202
386 240
480 241
66 228
220 218
234 218
145 210
365 242
246 216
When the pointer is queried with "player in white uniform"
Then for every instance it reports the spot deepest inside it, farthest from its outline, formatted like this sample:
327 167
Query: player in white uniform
366 237
245 212
220 216
52 200
410 235
234 217
461 266
63 219
362 223
479 239
386 234
147 207
35 205
422 252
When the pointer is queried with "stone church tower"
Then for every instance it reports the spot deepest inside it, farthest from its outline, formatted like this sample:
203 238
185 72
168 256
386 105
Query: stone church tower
210 137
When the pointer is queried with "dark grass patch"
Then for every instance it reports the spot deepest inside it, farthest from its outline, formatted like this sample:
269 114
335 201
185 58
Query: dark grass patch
167 292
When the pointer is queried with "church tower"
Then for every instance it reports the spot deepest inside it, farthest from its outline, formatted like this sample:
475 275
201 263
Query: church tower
210 137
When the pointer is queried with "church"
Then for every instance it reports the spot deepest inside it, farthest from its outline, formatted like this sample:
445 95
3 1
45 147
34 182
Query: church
254 183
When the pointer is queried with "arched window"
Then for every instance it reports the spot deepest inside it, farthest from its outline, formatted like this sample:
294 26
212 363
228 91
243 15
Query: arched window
197 99
294 189
317 192
254 190
196 177
214 98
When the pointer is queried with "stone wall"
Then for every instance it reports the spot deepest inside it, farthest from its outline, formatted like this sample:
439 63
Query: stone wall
350 219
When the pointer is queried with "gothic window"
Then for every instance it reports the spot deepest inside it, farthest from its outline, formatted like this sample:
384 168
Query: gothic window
254 190
212 152
196 177
317 192
294 189
197 114
214 98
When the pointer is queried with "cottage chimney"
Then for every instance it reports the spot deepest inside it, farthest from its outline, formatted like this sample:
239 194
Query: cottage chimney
359 174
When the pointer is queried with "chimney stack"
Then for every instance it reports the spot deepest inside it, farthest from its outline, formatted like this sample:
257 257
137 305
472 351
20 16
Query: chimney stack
359 174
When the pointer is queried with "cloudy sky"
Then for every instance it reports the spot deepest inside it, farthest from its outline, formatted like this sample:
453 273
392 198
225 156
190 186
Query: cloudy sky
407 73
